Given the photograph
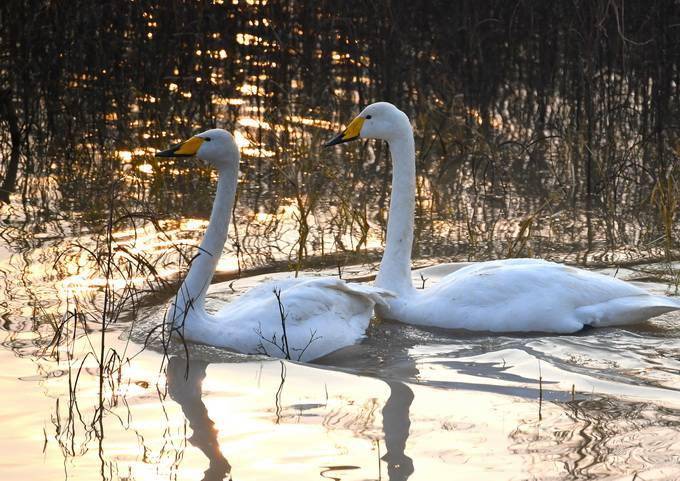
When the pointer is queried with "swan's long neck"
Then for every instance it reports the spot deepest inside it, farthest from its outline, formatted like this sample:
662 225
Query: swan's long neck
191 295
395 268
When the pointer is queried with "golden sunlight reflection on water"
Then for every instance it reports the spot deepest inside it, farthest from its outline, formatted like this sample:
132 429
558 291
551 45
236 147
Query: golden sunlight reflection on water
406 404
253 419
69 264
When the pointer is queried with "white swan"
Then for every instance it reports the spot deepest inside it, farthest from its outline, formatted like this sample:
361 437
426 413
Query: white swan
501 296
321 314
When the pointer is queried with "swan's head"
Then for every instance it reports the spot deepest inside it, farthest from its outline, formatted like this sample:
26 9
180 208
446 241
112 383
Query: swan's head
380 120
215 146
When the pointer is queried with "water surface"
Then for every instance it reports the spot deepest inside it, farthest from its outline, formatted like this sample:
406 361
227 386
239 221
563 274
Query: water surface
407 403
543 129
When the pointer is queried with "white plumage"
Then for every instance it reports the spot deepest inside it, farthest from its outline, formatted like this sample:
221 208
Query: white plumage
321 314
502 296
527 295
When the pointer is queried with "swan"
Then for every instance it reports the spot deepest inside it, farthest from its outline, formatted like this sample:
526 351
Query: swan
513 295
322 314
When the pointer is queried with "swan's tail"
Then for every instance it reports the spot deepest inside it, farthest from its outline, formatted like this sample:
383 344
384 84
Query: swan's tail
626 310
375 294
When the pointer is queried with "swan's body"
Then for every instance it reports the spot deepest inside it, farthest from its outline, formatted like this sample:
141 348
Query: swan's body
321 314
528 295
502 296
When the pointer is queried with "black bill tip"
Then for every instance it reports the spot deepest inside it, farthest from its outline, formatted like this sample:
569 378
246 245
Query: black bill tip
165 153
339 139
335 140
171 152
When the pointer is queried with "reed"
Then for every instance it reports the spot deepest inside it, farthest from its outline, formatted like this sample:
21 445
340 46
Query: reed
666 198
83 337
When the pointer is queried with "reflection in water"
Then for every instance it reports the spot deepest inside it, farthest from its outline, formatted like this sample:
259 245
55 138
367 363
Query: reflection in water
608 425
446 419
509 165
396 425
185 381
543 158
279 393
185 387
597 437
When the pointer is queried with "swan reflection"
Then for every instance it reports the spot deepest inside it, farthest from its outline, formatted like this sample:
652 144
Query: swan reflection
186 388
185 381
396 426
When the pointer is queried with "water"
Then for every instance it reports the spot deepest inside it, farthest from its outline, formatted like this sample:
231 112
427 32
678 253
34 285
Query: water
523 150
407 403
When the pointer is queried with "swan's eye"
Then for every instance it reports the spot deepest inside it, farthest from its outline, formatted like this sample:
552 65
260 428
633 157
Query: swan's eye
207 139
368 117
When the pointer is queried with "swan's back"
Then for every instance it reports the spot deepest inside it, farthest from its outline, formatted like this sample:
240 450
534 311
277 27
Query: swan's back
322 315
533 295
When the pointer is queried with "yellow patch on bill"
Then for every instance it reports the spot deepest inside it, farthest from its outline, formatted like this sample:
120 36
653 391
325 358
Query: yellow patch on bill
353 129
190 147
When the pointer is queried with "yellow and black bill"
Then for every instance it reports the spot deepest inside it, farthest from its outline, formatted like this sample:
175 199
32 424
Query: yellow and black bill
188 148
352 132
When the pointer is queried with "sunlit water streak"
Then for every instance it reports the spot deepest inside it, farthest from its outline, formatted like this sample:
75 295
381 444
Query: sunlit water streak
406 404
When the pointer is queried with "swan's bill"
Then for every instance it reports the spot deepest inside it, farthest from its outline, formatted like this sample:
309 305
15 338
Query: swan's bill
352 132
187 148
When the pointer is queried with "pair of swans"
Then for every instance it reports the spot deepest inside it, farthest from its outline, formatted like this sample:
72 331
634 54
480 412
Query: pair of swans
326 314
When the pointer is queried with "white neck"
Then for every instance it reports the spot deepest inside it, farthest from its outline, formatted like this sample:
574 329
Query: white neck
395 268
191 295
